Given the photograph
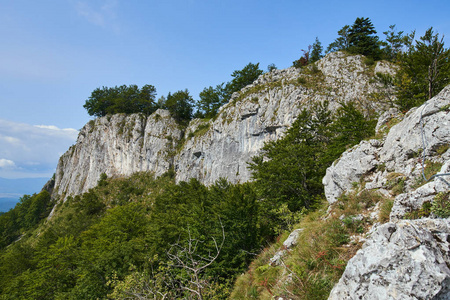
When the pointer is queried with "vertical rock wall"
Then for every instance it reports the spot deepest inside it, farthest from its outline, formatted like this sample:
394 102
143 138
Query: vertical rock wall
117 145
120 145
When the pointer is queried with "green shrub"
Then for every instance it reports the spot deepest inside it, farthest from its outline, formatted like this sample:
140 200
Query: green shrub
422 212
441 206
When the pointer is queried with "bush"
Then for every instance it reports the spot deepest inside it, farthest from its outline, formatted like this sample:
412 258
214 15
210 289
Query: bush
441 205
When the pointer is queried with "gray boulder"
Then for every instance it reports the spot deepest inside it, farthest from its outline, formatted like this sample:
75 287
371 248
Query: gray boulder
404 260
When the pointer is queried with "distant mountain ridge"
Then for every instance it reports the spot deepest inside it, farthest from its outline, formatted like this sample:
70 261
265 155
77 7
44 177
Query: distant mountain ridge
12 189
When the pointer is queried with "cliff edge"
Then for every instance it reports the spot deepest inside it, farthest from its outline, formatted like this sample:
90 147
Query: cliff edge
120 145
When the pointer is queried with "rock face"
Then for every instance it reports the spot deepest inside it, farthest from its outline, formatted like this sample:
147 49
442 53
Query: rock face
404 260
291 240
117 145
263 111
120 145
422 136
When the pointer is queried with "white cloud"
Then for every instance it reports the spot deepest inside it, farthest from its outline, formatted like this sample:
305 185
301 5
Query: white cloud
10 139
102 13
6 164
32 150
63 132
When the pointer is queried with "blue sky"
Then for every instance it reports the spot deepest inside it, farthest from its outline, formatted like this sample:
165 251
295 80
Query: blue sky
55 53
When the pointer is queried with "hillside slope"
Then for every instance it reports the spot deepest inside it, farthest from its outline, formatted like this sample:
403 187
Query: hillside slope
384 233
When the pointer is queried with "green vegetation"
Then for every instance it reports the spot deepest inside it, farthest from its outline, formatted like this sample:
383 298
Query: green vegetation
385 210
441 205
180 106
211 99
148 237
24 216
429 169
422 212
86 245
317 262
359 38
425 69
121 99
289 171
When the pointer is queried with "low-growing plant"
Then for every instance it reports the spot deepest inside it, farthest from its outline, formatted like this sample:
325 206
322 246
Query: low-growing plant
445 107
381 167
302 80
441 205
369 61
385 210
396 183
442 149
202 129
430 169
422 212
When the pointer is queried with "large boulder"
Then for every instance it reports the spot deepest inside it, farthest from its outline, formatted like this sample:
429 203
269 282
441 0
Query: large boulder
404 260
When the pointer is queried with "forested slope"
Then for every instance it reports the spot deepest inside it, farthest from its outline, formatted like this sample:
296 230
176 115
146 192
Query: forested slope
151 203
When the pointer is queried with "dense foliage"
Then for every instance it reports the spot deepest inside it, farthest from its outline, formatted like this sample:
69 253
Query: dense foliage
359 38
290 170
179 104
121 99
424 69
24 216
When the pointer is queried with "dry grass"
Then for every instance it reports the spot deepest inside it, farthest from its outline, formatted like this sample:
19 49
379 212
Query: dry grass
318 260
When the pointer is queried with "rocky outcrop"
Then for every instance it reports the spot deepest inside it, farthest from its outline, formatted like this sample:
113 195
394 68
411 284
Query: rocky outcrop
262 112
423 136
291 241
117 145
120 145
404 260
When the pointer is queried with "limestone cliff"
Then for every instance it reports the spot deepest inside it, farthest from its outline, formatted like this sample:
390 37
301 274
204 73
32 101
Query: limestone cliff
117 145
120 145
403 259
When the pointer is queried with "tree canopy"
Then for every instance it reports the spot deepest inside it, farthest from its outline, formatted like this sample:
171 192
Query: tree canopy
363 39
121 99
212 98
180 104
424 69
290 170
360 38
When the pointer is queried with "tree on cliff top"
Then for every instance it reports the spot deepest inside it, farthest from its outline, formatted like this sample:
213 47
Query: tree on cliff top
212 98
363 39
360 38
180 104
121 99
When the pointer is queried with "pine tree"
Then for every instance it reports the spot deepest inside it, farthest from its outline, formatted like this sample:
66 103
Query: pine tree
425 70
362 38
342 42
316 52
